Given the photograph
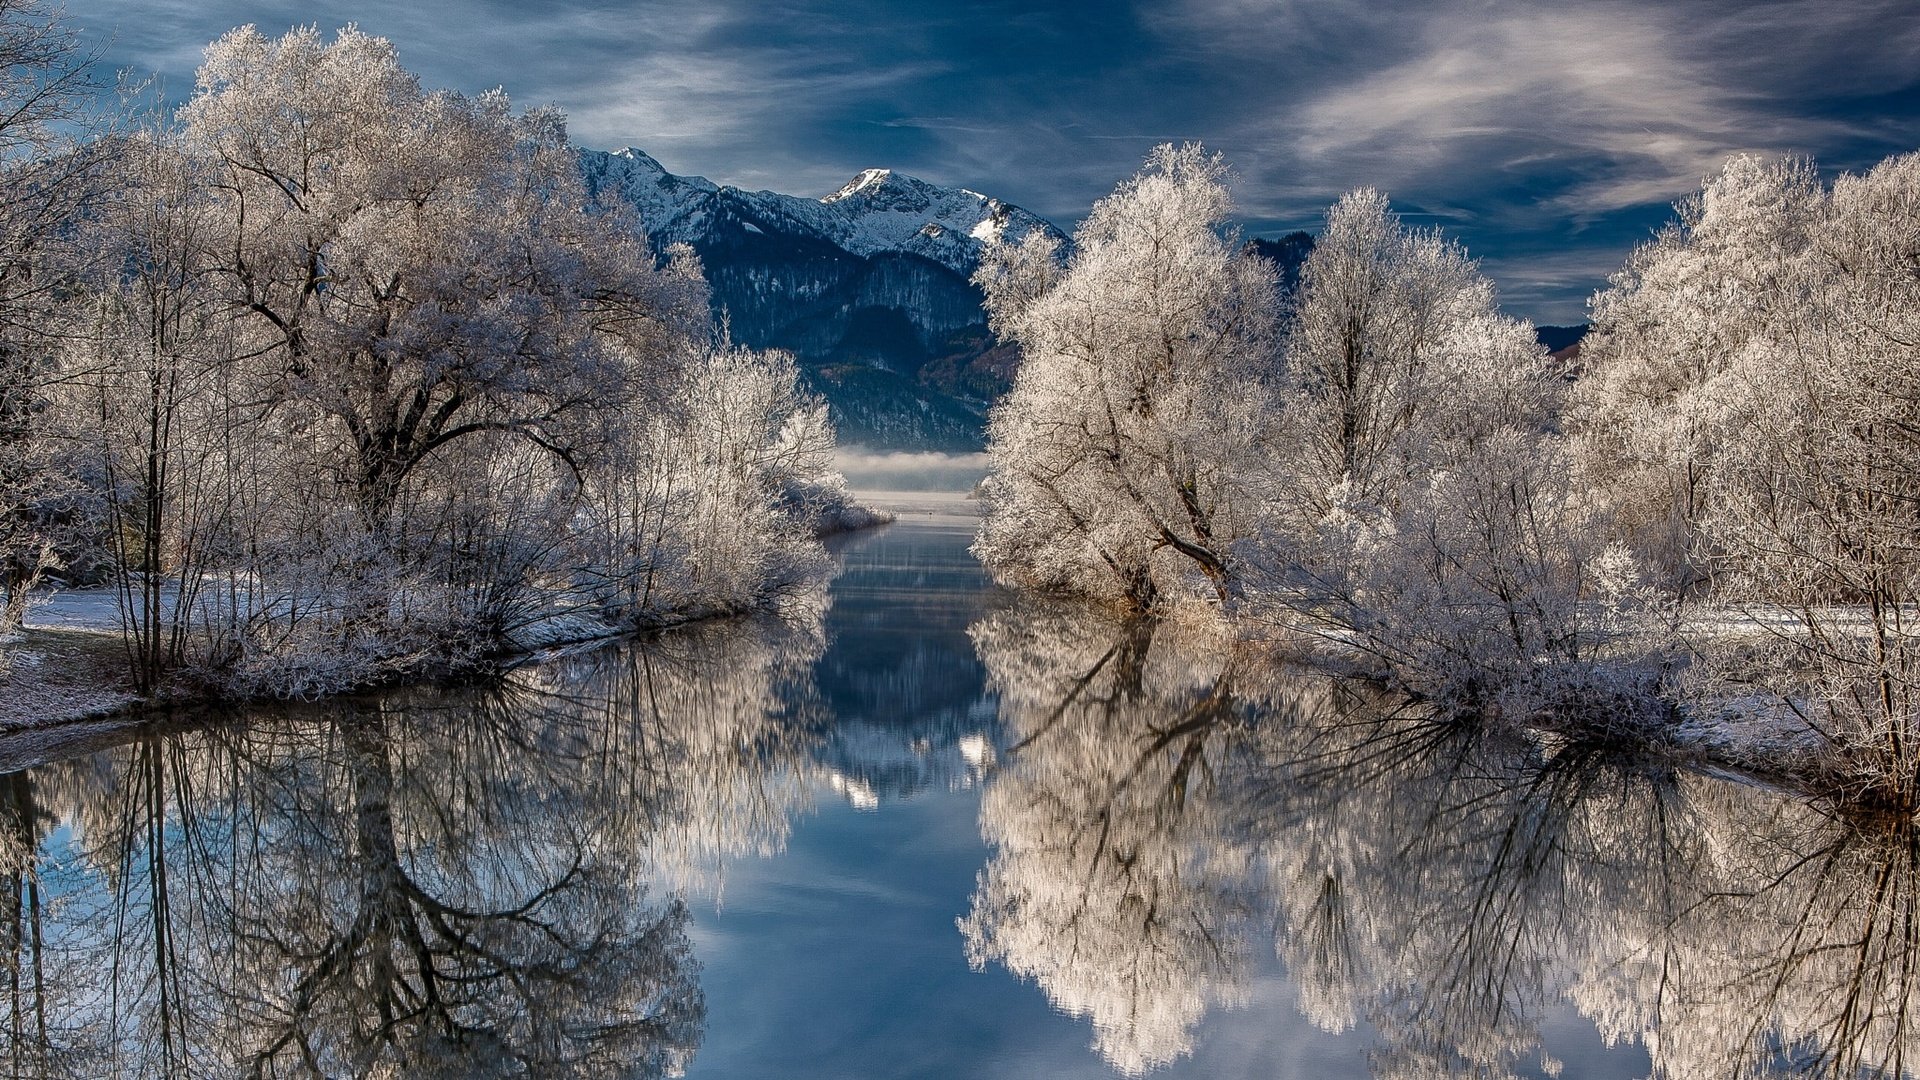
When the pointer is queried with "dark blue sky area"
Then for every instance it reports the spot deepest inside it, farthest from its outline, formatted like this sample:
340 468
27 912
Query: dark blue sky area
1549 138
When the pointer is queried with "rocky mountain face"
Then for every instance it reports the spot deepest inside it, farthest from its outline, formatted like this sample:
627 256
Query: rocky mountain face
868 287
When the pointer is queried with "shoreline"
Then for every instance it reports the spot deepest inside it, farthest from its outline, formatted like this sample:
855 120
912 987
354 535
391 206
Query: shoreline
82 695
81 660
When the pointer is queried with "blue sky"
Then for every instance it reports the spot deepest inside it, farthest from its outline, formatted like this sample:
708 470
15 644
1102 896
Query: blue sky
1550 138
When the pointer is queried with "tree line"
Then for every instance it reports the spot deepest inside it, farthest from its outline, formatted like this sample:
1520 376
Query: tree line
1707 519
335 377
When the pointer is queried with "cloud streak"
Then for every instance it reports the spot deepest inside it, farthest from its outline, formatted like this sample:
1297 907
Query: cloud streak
1537 134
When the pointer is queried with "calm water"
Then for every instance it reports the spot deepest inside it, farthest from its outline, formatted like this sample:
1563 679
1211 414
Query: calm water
918 828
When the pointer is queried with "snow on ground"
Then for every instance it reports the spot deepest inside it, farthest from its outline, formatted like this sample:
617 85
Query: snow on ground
60 674
67 664
1755 731
76 609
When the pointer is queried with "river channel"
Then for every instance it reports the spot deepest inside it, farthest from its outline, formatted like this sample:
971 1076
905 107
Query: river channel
916 826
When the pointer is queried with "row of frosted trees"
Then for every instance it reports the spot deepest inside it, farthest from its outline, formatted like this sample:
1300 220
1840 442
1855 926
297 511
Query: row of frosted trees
1709 518
1453 898
345 378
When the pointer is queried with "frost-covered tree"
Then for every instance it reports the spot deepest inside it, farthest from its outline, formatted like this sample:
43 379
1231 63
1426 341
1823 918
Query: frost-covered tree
1383 464
716 500
1670 326
1424 509
45 179
1121 455
1377 302
421 268
369 383
1754 381
149 389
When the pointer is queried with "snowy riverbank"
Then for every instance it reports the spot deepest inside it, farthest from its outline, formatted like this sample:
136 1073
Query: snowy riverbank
69 662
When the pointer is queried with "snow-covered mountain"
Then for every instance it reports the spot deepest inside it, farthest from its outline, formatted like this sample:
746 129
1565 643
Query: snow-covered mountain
879 212
868 286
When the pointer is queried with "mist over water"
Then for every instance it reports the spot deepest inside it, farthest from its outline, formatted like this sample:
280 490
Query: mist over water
871 470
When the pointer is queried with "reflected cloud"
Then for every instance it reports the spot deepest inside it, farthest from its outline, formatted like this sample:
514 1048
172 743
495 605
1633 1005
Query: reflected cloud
1450 891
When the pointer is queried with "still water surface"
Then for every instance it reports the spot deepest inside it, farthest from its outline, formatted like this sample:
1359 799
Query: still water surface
918 827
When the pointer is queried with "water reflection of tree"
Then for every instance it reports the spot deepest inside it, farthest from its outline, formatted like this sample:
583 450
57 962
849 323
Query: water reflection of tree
23 821
420 883
1452 886
1802 960
462 928
1113 887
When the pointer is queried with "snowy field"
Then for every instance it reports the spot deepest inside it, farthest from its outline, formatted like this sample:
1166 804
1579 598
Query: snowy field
67 664
76 609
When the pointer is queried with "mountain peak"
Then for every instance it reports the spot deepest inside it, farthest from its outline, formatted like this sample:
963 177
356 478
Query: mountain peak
867 178
878 212
637 162
640 157
869 286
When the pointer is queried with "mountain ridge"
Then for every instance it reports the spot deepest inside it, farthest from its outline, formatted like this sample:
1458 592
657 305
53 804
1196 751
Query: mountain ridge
868 286
879 211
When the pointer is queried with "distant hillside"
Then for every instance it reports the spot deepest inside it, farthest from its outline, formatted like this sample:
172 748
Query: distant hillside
1560 339
868 287
1289 253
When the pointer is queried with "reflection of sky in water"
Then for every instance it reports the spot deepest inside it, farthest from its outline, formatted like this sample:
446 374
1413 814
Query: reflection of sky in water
858 803
840 957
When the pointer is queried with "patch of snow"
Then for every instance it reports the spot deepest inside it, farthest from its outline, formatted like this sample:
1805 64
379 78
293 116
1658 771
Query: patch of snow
54 676
95 610
1751 731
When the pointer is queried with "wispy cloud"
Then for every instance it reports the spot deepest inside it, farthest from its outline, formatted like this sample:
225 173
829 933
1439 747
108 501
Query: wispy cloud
1527 129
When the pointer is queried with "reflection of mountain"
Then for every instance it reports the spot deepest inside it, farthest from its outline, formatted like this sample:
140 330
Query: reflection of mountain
1159 819
906 690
